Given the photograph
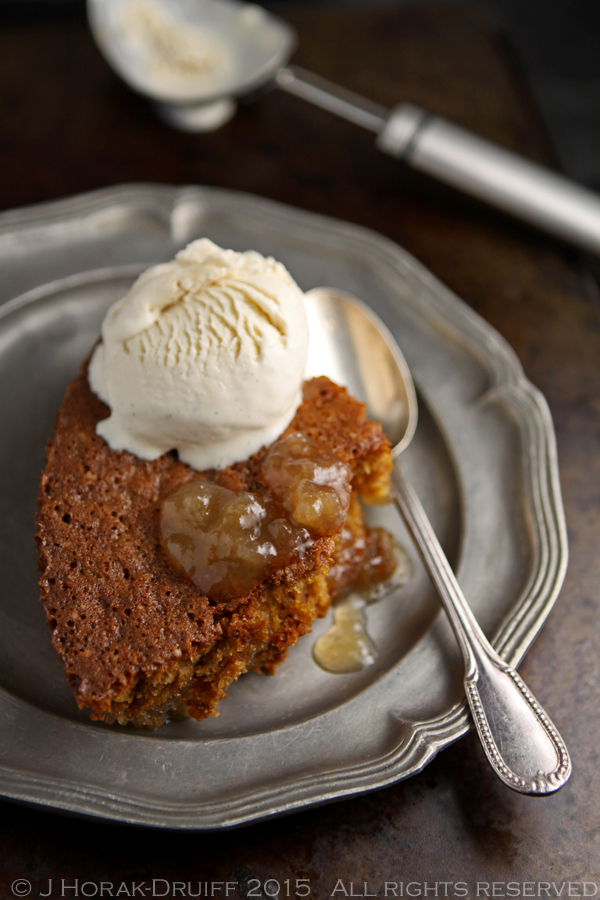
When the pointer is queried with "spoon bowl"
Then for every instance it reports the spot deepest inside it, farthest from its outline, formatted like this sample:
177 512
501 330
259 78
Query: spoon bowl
351 345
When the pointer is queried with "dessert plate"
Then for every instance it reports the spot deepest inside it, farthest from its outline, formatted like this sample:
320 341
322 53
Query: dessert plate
483 460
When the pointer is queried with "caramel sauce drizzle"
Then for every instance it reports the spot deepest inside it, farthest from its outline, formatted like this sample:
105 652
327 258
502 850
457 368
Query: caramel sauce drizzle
346 646
227 542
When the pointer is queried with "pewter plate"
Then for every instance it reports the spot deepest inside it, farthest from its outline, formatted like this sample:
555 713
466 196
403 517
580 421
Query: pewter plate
483 461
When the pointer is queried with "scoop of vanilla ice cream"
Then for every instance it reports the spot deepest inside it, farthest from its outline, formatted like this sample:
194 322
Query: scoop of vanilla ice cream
205 355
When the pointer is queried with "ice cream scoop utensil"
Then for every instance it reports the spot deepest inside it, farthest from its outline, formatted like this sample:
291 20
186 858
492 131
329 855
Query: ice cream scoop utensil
194 59
350 344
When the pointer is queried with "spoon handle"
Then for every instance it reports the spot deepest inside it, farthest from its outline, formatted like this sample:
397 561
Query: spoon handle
521 743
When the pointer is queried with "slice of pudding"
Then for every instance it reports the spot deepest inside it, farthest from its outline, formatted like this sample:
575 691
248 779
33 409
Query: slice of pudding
136 636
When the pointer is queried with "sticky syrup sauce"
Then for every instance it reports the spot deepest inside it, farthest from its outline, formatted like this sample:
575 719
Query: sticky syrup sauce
346 646
227 542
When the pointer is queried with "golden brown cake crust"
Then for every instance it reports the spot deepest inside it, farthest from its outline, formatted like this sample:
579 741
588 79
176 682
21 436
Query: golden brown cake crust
123 622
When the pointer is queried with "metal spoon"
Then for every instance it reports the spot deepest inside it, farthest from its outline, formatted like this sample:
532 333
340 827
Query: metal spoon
351 345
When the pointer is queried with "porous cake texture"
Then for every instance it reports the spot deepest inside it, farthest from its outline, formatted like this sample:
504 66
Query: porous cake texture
138 640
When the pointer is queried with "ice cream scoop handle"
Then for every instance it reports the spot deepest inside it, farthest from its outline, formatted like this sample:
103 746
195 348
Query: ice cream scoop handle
522 745
462 159
486 171
331 97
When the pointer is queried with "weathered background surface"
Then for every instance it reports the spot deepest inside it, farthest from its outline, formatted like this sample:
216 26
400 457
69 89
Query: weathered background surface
68 125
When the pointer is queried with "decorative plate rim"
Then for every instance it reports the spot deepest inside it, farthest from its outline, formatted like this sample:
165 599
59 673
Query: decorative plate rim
419 742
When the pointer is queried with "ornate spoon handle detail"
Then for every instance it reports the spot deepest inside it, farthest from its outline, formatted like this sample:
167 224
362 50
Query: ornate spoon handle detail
522 744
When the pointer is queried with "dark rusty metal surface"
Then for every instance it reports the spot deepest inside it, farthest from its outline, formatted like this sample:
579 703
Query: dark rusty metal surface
68 125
